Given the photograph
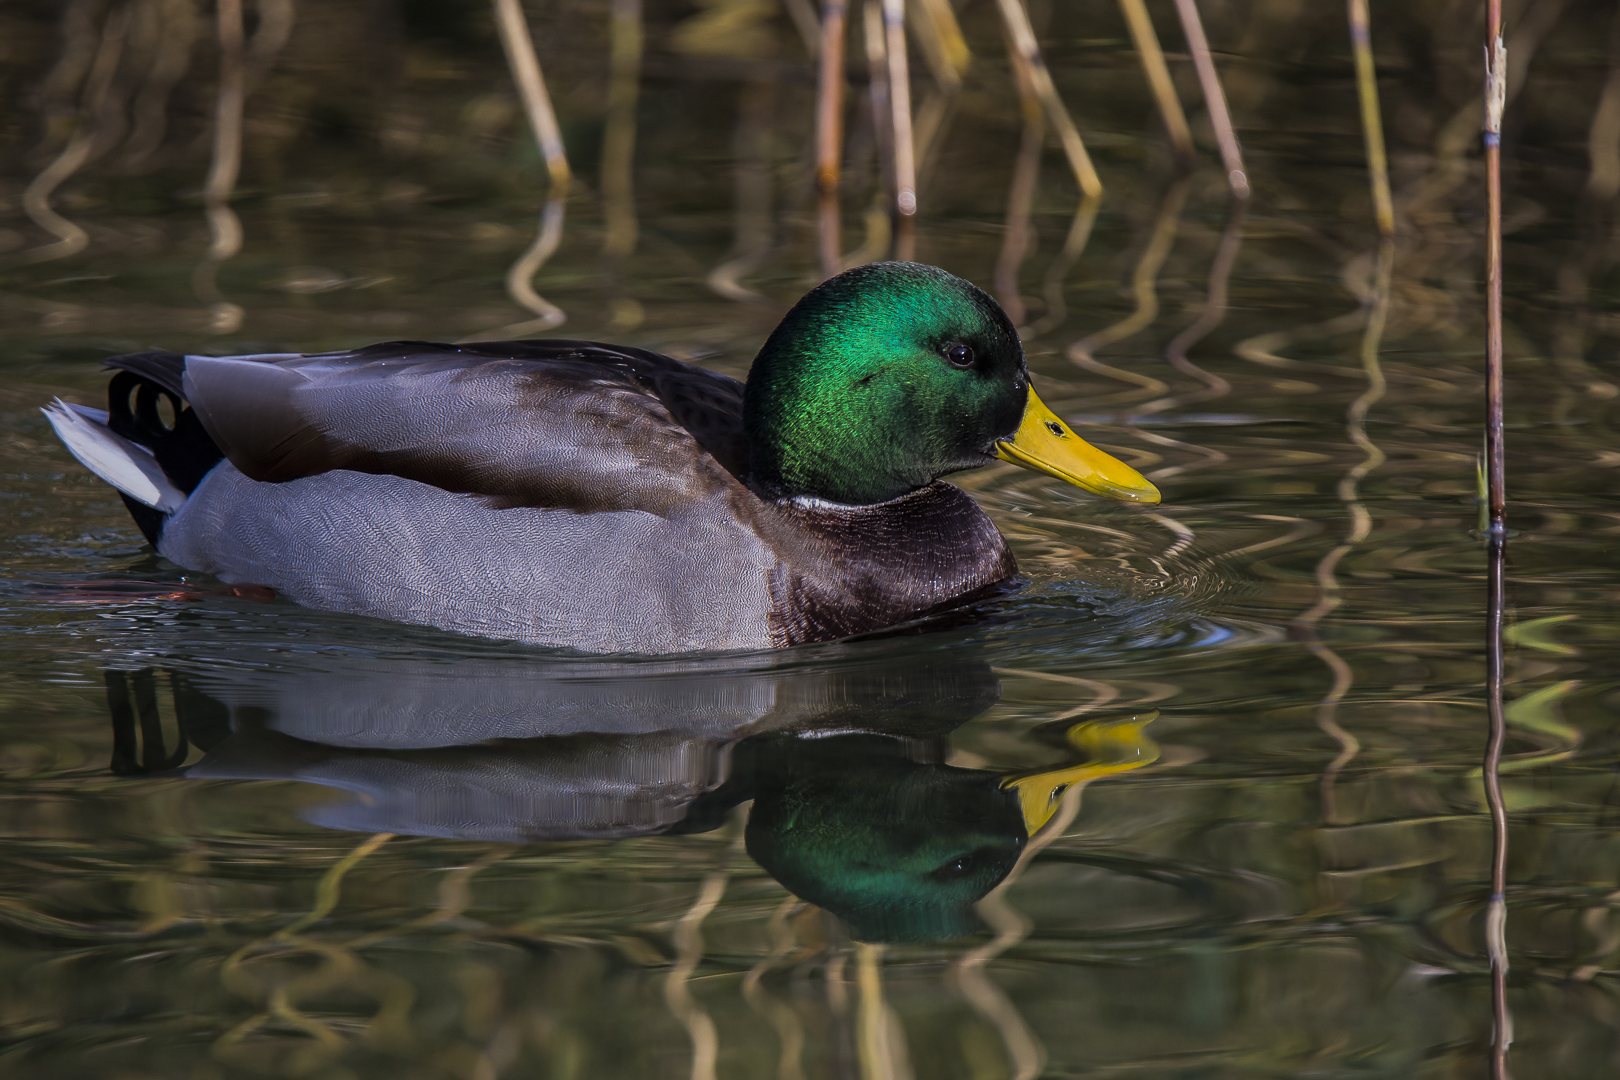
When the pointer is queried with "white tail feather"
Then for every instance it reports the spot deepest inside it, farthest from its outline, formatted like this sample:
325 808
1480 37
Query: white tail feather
126 466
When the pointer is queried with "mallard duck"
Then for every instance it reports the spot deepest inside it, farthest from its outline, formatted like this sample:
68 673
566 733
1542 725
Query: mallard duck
598 497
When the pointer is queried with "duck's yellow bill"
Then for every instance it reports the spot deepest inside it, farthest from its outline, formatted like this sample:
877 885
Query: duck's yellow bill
1046 444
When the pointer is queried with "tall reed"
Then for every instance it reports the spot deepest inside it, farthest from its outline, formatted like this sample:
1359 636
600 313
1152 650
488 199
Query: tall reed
1146 41
1209 81
1496 493
830 134
224 228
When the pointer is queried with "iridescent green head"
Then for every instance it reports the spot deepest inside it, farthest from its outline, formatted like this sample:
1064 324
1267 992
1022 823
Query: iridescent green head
879 381
891 375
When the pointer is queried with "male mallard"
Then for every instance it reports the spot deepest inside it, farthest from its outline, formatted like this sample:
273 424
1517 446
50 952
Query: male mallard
604 498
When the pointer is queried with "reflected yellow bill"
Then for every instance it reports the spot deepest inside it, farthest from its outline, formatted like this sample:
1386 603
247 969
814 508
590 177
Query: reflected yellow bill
1113 746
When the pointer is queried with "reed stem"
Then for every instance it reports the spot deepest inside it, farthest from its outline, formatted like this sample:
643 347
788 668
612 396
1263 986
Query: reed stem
1158 76
619 134
830 134
1209 81
1495 471
224 227
525 65
1372 124
943 42
1027 54
905 162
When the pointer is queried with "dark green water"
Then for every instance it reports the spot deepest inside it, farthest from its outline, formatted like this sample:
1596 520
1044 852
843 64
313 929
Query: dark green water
239 838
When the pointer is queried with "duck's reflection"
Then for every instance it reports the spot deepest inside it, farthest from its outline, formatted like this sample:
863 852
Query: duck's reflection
853 809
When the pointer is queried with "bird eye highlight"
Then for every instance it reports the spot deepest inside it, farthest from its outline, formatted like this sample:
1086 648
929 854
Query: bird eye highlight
959 355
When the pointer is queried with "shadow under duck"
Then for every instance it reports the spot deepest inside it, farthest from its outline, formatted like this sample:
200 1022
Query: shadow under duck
599 497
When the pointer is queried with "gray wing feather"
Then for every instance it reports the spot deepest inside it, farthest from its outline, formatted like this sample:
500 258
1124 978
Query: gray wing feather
569 426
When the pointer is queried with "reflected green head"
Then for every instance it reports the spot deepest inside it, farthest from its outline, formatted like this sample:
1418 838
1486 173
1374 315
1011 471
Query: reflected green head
900 850
878 382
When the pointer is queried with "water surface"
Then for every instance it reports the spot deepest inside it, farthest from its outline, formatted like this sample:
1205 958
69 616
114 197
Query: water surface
241 838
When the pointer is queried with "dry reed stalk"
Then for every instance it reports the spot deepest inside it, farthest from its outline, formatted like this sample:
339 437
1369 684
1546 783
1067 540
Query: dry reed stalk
1496 914
900 141
525 65
875 43
224 228
619 136
879 216
531 83
830 134
1027 55
1372 123
948 58
1495 474
1215 98
1158 76
947 41
1603 137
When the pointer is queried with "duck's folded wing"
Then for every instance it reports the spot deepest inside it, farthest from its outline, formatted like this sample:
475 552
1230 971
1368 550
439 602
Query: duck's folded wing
565 424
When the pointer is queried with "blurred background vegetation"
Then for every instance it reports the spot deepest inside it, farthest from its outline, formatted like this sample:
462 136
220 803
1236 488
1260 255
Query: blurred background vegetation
386 160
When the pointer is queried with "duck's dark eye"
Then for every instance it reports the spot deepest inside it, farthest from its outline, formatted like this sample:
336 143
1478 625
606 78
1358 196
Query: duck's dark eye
960 866
959 355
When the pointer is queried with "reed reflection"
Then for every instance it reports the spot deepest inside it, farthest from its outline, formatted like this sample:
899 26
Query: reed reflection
853 805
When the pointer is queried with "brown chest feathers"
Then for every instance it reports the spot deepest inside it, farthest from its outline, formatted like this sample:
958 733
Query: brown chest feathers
850 570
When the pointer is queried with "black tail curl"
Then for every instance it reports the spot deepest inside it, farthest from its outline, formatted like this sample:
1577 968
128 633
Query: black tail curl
182 448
